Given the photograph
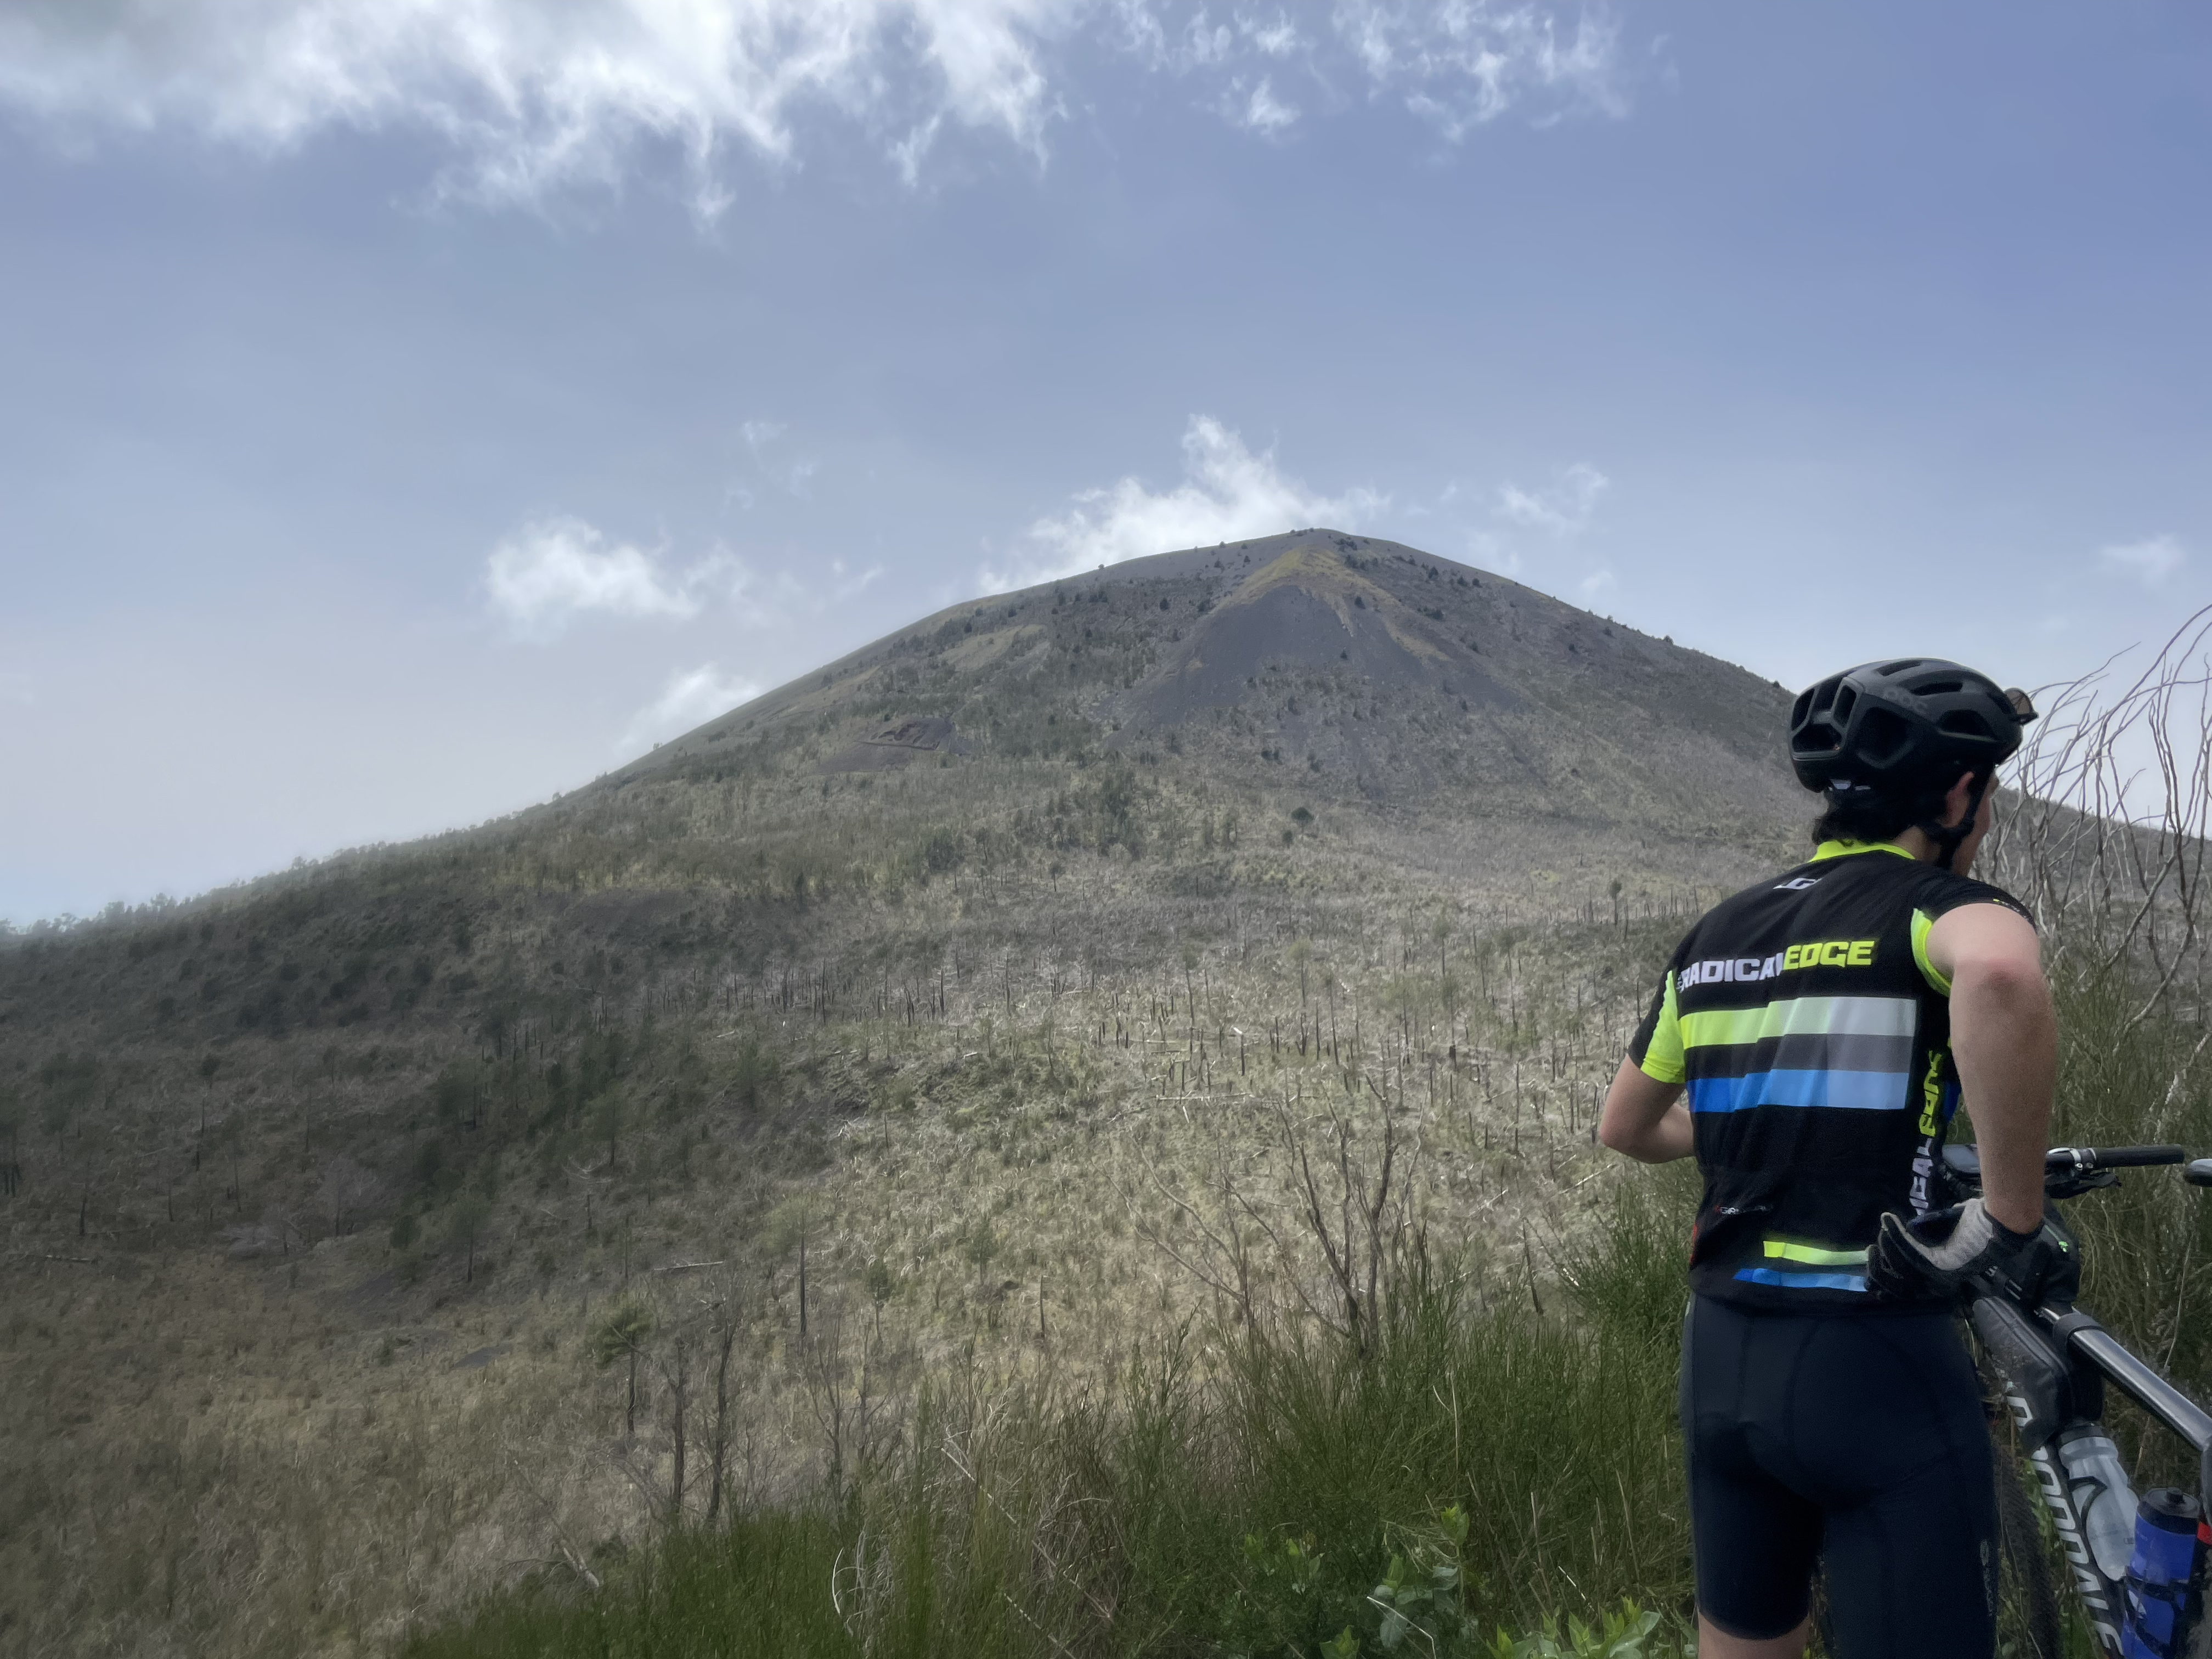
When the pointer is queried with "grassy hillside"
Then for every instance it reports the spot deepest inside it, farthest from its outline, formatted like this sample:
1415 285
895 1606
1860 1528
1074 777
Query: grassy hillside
966 1016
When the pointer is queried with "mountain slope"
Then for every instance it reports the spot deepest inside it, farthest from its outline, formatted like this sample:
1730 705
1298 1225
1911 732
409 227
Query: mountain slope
1165 718
1382 671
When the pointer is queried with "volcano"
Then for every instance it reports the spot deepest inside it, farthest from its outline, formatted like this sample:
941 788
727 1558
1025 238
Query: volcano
1368 667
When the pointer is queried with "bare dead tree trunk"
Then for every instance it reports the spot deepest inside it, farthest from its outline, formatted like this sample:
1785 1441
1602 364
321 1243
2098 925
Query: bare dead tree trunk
718 1442
677 1375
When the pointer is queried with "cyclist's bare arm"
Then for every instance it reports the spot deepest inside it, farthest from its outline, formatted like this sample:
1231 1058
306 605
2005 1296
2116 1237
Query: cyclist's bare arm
1645 1118
2004 1036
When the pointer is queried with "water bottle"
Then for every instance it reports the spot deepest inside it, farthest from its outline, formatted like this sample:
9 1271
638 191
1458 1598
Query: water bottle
2103 1499
2162 1575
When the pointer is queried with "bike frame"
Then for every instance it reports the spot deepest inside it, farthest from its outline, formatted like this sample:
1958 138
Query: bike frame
2053 1361
2085 1356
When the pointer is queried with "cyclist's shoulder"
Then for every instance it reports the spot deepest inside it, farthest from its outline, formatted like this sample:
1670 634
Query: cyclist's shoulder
1843 885
1939 892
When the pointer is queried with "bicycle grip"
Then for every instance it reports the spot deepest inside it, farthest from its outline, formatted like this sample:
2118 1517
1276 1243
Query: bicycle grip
2112 1157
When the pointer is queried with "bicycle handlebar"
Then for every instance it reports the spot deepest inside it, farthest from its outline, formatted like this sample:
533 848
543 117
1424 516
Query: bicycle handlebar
2064 1166
2074 1159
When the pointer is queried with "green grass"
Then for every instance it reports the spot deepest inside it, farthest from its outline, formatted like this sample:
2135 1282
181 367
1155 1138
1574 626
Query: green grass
756 1587
2147 1244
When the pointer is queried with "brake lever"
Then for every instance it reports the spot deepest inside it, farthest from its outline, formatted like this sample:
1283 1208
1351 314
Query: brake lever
2059 1188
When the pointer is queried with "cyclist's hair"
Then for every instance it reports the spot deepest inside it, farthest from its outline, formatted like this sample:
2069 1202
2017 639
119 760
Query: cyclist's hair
1869 815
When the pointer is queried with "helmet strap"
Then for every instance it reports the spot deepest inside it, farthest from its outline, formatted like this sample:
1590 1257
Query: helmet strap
1948 838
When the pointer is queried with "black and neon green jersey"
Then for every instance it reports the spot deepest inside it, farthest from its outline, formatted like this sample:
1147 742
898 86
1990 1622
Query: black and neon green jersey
1814 1037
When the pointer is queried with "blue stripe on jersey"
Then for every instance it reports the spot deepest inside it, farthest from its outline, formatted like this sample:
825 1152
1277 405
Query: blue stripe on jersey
1863 1091
1803 1281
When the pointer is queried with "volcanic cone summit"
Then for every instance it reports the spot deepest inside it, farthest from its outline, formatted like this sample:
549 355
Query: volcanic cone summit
1368 665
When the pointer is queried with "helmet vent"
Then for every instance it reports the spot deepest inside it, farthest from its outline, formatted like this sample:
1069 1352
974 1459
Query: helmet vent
1939 688
1846 699
1900 666
1884 737
1964 722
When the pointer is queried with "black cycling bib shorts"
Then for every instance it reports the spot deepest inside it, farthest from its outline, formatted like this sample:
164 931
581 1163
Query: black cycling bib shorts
1858 1444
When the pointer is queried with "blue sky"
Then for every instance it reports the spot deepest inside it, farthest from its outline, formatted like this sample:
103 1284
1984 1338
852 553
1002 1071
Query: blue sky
411 409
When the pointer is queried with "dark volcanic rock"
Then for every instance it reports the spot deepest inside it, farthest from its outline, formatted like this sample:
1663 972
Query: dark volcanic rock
1370 668
897 744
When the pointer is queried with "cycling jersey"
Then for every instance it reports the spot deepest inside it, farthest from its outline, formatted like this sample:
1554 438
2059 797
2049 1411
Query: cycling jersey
1813 1036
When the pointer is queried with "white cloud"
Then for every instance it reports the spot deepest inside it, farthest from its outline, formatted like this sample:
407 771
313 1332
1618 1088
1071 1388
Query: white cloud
1265 113
2149 561
1469 62
1231 495
691 697
1564 509
555 570
1277 40
1596 585
531 98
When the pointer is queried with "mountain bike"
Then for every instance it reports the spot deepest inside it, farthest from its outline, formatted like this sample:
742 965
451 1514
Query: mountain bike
2136 1565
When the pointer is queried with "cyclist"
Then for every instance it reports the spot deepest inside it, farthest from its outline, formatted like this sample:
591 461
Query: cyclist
1824 1026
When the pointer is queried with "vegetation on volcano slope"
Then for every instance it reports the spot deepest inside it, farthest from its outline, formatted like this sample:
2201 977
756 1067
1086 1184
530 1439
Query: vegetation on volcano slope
327 1427
312 1267
1226 1484
1244 1493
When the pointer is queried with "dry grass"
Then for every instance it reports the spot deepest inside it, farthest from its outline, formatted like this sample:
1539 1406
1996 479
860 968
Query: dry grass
276 1451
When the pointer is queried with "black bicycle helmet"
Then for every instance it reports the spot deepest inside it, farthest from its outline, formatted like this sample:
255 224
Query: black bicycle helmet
1903 728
